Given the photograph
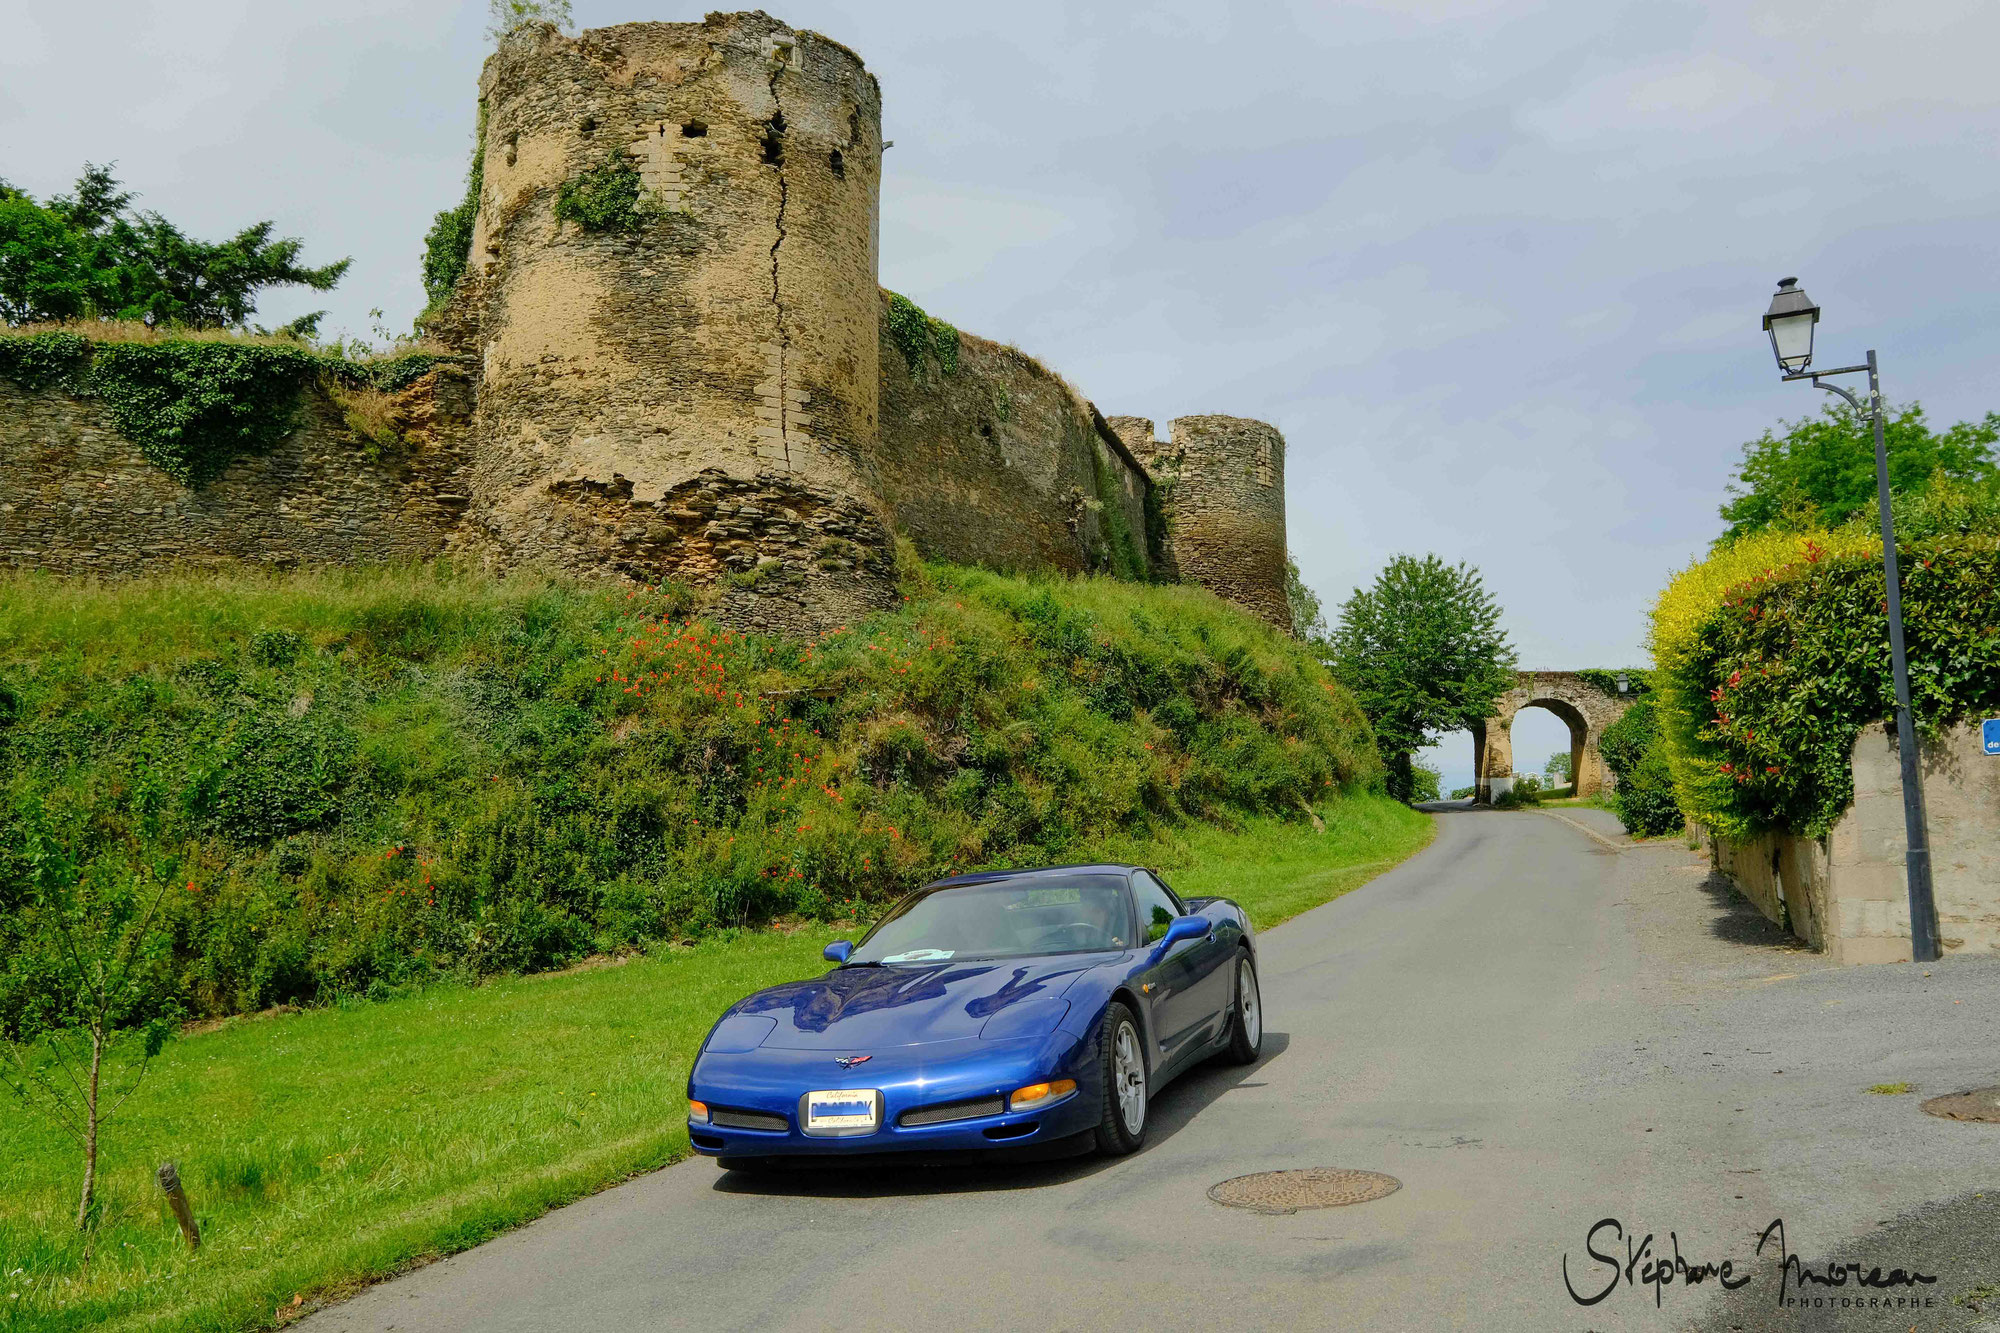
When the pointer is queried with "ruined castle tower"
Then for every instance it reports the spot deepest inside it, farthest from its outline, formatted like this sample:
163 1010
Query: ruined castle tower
685 386
1222 483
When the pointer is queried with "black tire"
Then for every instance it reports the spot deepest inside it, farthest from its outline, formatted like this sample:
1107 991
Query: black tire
1115 1134
1246 1031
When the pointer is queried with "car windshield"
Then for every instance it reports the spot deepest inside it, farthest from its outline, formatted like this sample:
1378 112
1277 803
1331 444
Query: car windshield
1008 918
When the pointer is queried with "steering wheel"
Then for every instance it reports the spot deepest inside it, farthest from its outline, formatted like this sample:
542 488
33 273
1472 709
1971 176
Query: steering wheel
1062 930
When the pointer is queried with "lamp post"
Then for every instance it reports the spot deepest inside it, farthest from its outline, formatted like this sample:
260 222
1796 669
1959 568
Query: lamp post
1790 322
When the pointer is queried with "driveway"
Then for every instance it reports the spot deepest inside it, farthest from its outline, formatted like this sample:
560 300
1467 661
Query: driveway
1533 1031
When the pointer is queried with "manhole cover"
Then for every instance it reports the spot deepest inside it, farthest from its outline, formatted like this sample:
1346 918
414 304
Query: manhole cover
1979 1104
1314 1187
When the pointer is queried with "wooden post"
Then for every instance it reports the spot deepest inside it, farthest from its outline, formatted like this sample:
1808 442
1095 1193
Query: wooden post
170 1181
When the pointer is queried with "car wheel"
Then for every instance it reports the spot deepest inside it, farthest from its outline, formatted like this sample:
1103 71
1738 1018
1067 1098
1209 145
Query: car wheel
1246 1029
1122 1057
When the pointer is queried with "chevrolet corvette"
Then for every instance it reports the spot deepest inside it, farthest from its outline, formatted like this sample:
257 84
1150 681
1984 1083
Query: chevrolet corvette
1036 1011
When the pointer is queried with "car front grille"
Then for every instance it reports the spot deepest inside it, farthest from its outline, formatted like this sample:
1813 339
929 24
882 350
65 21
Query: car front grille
946 1112
727 1119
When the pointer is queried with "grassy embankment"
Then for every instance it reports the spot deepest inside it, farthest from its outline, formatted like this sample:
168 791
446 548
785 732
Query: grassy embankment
391 784
327 1146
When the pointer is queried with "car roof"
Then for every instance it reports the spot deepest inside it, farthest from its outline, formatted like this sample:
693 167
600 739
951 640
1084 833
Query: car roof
996 876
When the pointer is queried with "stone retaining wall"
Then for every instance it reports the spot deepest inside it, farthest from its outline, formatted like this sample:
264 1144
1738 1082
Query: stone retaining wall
1848 893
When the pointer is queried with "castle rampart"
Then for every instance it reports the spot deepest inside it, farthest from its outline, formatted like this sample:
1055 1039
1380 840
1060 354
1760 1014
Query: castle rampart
678 364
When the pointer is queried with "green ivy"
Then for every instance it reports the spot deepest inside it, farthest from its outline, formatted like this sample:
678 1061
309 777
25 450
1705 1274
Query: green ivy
1636 681
918 336
1644 796
1125 558
604 198
193 407
1794 663
448 244
40 360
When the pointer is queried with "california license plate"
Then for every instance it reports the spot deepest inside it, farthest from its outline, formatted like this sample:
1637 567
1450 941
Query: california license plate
849 1110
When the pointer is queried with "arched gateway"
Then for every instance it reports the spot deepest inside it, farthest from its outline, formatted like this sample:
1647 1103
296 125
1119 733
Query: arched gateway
1586 706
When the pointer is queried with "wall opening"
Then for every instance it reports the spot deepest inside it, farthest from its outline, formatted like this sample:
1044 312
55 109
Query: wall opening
1548 734
587 127
838 163
695 129
774 140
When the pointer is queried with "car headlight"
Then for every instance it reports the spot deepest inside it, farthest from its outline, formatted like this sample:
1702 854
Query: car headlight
1040 1094
698 1112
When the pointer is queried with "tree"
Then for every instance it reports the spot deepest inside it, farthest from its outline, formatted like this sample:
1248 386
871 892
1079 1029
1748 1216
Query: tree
1821 471
503 16
1308 619
89 943
1557 769
1424 653
1426 783
87 255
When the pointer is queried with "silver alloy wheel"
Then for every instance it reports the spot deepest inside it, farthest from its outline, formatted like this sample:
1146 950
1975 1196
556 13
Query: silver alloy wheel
1128 1073
1246 1002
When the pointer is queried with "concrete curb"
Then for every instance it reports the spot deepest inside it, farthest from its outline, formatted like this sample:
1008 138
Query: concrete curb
1586 830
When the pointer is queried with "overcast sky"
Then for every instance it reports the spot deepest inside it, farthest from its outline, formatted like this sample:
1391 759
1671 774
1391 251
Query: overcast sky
1494 268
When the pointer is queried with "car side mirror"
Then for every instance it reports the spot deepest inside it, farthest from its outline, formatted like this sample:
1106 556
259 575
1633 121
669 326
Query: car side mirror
837 952
1183 928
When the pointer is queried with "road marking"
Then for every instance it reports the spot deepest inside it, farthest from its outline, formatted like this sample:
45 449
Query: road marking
1585 829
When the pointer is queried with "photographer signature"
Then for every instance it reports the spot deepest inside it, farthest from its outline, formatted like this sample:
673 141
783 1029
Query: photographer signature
1643 1266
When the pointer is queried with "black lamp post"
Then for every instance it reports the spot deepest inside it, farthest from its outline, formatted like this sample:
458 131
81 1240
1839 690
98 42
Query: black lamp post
1790 322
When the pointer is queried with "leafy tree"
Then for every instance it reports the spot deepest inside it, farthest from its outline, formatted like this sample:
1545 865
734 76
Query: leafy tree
88 255
1821 471
1557 769
1308 619
1426 783
1644 796
94 957
1424 653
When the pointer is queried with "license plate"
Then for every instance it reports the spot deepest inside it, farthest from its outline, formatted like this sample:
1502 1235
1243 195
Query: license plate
849 1110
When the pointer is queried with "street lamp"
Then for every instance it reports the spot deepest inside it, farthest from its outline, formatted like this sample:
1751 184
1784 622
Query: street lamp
1790 322
1624 683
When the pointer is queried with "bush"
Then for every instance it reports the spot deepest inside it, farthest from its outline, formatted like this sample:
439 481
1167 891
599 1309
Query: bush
604 198
1425 783
371 779
1644 796
1526 791
1773 654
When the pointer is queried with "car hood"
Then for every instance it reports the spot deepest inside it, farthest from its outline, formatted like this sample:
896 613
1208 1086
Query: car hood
858 1008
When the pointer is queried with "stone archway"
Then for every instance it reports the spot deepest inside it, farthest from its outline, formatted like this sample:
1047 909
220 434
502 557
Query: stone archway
1586 707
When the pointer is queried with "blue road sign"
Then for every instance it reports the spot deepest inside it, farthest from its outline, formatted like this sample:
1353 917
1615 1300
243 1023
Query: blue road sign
1991 732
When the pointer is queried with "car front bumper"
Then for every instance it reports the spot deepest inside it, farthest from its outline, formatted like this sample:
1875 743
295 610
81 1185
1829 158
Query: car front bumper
767 1083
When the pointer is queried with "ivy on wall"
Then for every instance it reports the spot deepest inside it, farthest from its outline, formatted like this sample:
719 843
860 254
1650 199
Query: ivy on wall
194 406
448 244
1636 681
604 198
1123 553
919 336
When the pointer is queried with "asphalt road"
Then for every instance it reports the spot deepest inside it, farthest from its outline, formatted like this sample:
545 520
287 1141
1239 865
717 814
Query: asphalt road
1534 1031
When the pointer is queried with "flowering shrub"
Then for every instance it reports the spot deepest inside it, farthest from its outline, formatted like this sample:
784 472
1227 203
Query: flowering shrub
371 778
1771 655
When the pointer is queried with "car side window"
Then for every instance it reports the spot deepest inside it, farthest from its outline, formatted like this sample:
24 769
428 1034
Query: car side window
1157 907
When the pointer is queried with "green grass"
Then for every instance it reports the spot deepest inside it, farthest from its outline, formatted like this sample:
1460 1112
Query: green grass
326 1147
1890 1089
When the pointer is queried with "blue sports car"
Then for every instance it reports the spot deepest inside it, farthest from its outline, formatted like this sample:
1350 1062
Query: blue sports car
1033 1010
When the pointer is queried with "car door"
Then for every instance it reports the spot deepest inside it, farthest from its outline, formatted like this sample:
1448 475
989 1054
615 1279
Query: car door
1211 960
1180 1015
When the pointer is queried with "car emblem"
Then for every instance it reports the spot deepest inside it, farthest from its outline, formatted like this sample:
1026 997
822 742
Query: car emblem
849 1061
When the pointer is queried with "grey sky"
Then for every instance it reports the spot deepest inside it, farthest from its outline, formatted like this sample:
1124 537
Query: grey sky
1493 268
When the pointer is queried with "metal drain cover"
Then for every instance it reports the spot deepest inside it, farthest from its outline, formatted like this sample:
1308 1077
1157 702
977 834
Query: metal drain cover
1313 1187
1979 1104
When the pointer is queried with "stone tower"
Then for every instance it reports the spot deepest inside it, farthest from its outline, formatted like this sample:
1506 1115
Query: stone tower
1223 483
691 392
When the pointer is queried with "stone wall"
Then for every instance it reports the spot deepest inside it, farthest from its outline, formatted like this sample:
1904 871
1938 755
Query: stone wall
1222 496
1848 893
76 497
1583 707
693 398
999 462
